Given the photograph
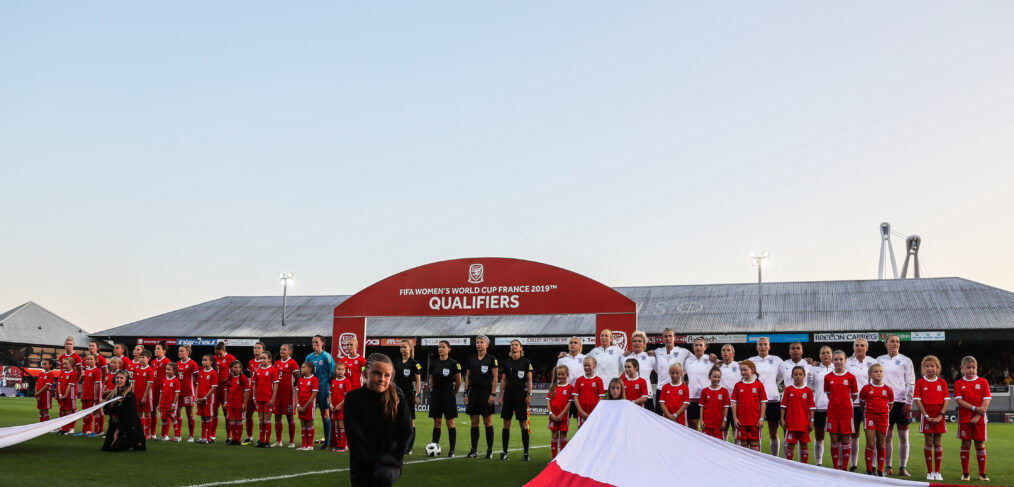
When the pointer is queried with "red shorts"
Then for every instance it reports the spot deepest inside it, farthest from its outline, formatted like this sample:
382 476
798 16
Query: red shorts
283 405
748 433
69 404
184 401
208 408
251 406
972 431
87 403
167 412
44 401
307 415
262 408
338 413
926 428
220 393
144 403
563 426
840 425
793 437
715 432
156 393
234 414
876 422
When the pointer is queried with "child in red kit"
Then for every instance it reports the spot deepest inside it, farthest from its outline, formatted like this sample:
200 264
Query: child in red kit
841 389
876 398
168 405
207 382
144 382
714 404
588 391
66 393
264 385
931 398
235 404
560 399
306 398
91 393
798 407
675 396
746 399
44 386
340 386
971 392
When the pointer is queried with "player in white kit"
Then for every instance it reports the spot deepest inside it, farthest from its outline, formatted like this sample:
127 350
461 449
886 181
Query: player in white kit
609 357
730 376
769 374
665 356
817 372
859 364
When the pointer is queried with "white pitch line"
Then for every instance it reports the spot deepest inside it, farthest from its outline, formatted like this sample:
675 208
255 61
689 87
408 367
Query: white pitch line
322 472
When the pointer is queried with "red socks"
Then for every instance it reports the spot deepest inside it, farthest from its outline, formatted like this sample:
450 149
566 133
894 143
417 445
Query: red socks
981 456
278 429
881 458
846 452
292 430
308 432
964 461
43 416
869 457
938 457
927 453
190 424
804 453
835 448
790 450
249 426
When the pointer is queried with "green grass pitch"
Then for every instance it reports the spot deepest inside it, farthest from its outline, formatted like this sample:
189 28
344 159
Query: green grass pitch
56 461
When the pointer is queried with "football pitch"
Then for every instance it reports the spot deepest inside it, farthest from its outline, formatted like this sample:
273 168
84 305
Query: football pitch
54 460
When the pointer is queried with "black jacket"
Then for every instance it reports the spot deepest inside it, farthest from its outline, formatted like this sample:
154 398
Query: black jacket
124 425
374 439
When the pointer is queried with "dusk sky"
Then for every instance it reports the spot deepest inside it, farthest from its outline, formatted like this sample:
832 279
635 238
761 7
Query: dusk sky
158 156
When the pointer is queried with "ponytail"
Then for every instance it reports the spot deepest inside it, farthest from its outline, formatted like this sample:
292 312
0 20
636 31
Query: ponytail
389 398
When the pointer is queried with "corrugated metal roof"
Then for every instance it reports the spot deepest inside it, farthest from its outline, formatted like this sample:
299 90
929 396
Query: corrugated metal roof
31 324
820 306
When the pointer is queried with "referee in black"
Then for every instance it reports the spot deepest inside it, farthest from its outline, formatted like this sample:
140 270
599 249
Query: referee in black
481 378
407 374
445 382
515 396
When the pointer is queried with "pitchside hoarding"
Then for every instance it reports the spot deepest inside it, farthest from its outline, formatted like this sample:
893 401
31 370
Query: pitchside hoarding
554 341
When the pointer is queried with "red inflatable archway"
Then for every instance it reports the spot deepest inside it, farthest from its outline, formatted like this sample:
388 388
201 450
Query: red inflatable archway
483 286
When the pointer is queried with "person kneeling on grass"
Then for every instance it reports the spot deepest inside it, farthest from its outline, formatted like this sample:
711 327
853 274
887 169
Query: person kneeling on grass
125 431
378 426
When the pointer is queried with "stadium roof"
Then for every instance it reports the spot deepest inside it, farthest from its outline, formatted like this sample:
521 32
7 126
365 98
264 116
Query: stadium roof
821 306
31 324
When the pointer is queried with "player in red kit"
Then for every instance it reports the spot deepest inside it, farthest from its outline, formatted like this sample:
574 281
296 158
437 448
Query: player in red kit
68 352
355 364
560 397
876 398
971 392
588 390
223 361
44 386
841 389
99 419
66 393
144 380
288 374
207 382
236 399
188 372
157 363
746 399
714 404
931 398
340 386
306 400
169 400
635 388
264 386
91 393
675 396
251 407
798 407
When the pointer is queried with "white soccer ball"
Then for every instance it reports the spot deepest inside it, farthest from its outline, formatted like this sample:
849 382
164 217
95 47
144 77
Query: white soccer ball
432 449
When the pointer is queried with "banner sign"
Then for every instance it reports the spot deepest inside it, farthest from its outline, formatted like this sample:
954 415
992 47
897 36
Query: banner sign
241 342
845 337
780 337
555 341
11 374
154 341
198 342
388 342
455 342
915 336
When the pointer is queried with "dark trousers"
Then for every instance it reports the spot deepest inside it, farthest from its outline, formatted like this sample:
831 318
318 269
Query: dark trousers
379 476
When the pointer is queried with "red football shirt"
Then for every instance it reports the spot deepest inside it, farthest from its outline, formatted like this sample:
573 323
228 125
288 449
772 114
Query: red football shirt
973 392
840 390
748 397
252 366
222 366
307 386
205 379
288 374
354 368
110 382
589 390
188 376
159 366
78 363
261 384
92 376
238 385
101 362
44 379
169 389
142 377
674 396
878 399
713 402
932 393
635 389
559 400
66 384
797 403
338 390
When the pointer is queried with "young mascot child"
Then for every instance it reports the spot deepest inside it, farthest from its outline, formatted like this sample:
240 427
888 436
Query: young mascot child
265 390
306 400
841 389
91 393
971 392
635 387
235 403
340 386
144 380
714 405
747 396
588 390
168 402
44 390
798 407
876 398
931 397
675 398
560 398
616 390
207 382
66 390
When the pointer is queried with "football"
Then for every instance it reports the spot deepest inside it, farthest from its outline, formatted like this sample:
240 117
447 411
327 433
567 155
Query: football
432 449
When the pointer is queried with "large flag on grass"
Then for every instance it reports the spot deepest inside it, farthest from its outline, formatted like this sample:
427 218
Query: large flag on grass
625 445
13 435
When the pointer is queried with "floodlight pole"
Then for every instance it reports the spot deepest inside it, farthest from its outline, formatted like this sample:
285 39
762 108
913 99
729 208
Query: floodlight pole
757 259
285 277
